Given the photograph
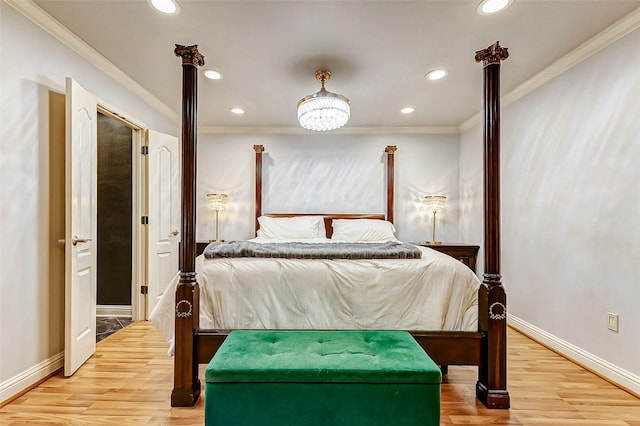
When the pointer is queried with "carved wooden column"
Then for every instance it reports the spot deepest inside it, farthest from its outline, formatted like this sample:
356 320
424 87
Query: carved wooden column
390 150
491 388
259 149
186 385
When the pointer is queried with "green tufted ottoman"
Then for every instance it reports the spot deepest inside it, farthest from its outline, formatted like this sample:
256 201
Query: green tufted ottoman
306 378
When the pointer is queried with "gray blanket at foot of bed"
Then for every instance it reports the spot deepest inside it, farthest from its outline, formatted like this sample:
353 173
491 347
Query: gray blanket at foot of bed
299 250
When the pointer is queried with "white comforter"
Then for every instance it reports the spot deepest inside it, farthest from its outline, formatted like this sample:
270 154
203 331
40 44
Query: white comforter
436 292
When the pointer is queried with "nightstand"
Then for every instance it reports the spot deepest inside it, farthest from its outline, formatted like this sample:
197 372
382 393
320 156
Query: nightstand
200 246
465 253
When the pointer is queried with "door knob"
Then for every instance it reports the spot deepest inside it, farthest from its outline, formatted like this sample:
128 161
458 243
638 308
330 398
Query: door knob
75 240
174 233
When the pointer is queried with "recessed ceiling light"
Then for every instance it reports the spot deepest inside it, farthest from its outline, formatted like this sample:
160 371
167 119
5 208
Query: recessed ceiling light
487 7
436 74
407 110
170 7
237 110
212 74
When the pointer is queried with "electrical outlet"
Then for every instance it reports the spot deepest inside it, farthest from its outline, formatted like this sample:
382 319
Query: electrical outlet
612 321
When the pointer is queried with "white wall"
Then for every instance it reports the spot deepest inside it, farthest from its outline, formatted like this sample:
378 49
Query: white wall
472 191
570 207
329 173
33 65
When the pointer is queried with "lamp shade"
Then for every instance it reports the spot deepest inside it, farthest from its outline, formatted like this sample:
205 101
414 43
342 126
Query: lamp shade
217 201
323 110
435 203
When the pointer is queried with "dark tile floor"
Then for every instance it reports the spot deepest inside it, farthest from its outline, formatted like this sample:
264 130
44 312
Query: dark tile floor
106 326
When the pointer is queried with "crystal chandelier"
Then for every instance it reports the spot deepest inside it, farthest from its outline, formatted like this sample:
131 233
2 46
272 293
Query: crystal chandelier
323 110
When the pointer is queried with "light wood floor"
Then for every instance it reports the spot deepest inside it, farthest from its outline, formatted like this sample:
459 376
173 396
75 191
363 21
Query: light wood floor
129 381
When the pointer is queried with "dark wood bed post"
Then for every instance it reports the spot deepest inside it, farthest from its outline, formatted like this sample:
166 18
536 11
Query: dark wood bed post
390 150
491 388
259 149
186 384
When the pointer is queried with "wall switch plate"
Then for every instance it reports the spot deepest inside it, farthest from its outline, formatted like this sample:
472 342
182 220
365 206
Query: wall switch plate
612 321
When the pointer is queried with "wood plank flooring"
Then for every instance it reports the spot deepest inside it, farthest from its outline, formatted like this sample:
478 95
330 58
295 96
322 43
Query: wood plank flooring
129 381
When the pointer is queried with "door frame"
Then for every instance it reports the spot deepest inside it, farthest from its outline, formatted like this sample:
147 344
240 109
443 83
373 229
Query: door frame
139 206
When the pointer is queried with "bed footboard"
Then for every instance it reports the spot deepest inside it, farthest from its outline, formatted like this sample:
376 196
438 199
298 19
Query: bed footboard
444 347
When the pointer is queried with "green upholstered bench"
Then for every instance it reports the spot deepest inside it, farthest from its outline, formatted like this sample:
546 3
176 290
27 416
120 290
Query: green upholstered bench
306 378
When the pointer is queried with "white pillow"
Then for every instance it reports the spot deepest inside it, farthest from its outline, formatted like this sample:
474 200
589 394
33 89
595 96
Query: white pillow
287 228
370 230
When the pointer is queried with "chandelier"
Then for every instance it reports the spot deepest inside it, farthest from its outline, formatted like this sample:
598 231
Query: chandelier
323 110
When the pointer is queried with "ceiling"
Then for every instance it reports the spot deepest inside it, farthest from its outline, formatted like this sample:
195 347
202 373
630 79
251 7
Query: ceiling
378 52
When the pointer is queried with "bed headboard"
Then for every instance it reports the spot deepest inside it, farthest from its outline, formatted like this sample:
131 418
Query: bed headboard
389 150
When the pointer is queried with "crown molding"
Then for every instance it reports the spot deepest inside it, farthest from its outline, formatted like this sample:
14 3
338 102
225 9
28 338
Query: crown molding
38 16
616 31
453 130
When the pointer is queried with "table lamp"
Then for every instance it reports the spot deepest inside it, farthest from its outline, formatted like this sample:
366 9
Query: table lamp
435 203
216 203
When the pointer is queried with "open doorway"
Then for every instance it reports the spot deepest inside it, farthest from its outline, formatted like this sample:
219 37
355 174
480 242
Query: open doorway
118 246
115 227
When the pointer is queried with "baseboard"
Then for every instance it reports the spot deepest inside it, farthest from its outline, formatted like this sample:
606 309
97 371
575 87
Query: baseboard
26 380
114 311
610 372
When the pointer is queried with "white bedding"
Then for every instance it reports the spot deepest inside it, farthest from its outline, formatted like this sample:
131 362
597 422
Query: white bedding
436 292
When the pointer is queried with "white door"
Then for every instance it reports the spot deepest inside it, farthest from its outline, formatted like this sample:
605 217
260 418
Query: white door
164 213
80 226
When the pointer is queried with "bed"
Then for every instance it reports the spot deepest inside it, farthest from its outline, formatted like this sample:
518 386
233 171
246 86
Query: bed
350 274
483 346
